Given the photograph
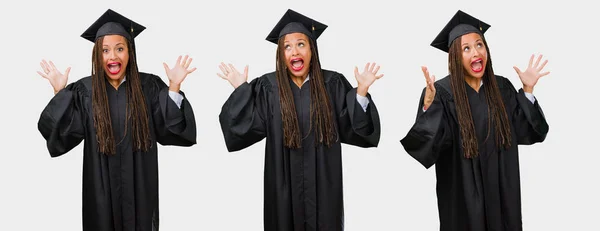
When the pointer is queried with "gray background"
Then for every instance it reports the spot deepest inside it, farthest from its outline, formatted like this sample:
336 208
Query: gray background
206 188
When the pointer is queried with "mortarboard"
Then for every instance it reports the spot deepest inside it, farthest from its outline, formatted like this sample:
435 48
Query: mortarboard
112 23
292 22
460 24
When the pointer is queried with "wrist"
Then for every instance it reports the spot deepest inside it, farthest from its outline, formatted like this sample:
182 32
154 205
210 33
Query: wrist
362 91
174 87
528 89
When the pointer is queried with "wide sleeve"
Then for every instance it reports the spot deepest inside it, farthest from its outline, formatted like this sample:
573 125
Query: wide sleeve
172 125
356 126
430 134
528 118
60 122
242 116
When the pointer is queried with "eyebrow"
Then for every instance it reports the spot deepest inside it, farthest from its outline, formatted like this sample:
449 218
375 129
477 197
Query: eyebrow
120 43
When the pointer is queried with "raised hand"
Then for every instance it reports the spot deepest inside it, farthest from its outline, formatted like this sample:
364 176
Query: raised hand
56 79
232 75
430 89
366 78
178 73
532 74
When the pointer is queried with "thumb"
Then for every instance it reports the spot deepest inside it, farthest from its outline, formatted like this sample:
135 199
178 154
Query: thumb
356 71
517 70
246 72
166 67
67 72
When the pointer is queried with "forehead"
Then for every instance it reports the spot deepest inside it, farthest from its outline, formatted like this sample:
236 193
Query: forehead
470 37
295 36
113 39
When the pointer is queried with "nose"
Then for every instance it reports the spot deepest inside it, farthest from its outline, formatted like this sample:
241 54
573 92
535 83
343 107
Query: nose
111 55
294 50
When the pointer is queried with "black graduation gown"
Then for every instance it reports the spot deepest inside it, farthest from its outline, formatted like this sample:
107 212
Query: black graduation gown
482 193
302 187
120 192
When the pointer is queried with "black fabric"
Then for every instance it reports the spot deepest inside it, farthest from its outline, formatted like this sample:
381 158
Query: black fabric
481 193
120 192
302 187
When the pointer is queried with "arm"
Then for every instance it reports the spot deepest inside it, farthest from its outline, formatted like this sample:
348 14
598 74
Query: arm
430 134
60 122
173 116
358 118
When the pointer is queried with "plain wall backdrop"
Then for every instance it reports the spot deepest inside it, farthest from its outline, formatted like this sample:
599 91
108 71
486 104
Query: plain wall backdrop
206 188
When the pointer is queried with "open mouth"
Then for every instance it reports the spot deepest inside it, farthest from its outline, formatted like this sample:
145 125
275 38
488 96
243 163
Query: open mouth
297 64
114 67
477 65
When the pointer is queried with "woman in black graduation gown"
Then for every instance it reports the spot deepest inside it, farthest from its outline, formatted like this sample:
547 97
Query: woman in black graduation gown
469 125
305 112
120 114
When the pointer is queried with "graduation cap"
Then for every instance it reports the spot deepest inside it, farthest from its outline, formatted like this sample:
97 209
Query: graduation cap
460 24
112 23
293 22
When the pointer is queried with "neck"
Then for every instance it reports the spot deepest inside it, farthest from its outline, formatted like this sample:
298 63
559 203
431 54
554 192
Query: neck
298 80
475 83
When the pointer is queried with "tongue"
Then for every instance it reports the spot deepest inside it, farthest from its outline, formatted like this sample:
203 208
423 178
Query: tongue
114 68
476 66
297 64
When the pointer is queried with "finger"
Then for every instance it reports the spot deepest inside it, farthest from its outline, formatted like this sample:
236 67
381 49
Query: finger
45 66
372 67
166 67
178 62
537 62
379 76
366 67
192 70
42 74
376 70
543 65
531 61
222 76
544 74
187 64
222 67
425 73
233 69
356 71
432 82
185 60
67 71
246 72
52 67
227 69
517 70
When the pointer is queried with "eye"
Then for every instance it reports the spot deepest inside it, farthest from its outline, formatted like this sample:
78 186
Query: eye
120 49
466 48
479 45
287 47
300 44
104 50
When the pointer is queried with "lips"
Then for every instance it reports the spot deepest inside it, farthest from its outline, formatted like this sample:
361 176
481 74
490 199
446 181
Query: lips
297 64
477 65
113 67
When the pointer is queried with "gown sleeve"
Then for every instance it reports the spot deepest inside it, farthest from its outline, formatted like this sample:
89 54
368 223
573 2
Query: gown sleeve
60 122
242 116
430 134
356 126
173 125
528 118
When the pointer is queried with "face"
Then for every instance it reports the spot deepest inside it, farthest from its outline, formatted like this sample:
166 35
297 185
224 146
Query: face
297 54
115 56
474 55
